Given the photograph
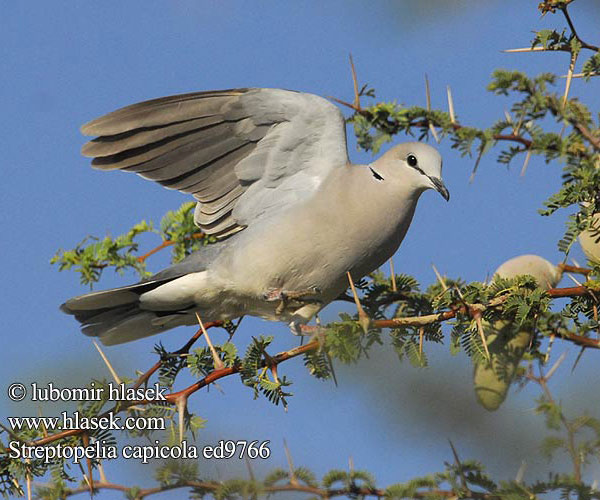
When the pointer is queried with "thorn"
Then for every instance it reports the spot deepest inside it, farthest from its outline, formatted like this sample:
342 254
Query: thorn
525 163
555 366
517 127
85 438
575 263
330 361
181 407
578 283
450 105
272 366
351 465
434 133
216 360
87 481
526 49
102 473
507 116
458 464
427 93
521 472
477 317
217 387
579 75
472 178
43 425
577 360
575 280
563 128
550 343
288 456
569 79
421 335
439 278
428 97
107 362
355 84
393 276
344 103
363 318
17 486
28 482
250 471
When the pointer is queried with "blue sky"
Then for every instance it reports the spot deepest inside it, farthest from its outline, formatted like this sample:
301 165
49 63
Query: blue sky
64 63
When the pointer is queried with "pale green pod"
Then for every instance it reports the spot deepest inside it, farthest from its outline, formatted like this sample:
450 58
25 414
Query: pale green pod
492 380
590 244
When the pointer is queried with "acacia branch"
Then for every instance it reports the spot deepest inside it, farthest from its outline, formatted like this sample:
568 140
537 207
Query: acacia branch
425 123
572 28
313 345
184 350
173 397
324 493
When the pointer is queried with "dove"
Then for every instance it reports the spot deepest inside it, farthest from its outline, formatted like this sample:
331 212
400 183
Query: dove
506 343
270 172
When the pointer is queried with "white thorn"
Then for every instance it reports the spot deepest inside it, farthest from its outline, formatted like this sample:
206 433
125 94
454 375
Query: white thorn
217 361
526 49
450 104
555 366
525 163
110 368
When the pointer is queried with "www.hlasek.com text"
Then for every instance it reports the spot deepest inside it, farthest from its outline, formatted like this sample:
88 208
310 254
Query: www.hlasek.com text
108 422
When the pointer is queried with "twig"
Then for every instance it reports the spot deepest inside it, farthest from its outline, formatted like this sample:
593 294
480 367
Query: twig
572 28
167 243
573 269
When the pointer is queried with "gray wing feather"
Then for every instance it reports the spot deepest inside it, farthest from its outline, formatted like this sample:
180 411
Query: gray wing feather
158 112
242 153
113 144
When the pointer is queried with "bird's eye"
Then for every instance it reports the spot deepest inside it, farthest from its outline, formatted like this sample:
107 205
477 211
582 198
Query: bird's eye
411 160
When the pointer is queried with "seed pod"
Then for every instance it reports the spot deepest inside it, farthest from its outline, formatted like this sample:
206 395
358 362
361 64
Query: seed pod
505 343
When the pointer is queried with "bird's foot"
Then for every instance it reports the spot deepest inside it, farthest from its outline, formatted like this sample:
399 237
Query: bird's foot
285 297
302 330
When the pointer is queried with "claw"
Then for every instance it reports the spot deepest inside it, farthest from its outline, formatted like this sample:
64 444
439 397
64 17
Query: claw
284 297
276 294
303 330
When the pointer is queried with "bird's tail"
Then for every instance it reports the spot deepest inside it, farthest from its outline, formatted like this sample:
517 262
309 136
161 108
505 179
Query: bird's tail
115 316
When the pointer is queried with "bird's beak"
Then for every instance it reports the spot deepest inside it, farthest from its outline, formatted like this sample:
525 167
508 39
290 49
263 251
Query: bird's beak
439 186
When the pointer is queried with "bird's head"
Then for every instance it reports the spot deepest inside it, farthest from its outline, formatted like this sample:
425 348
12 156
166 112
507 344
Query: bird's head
413 162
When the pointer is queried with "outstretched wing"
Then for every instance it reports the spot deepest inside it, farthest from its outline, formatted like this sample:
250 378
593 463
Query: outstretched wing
242 153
